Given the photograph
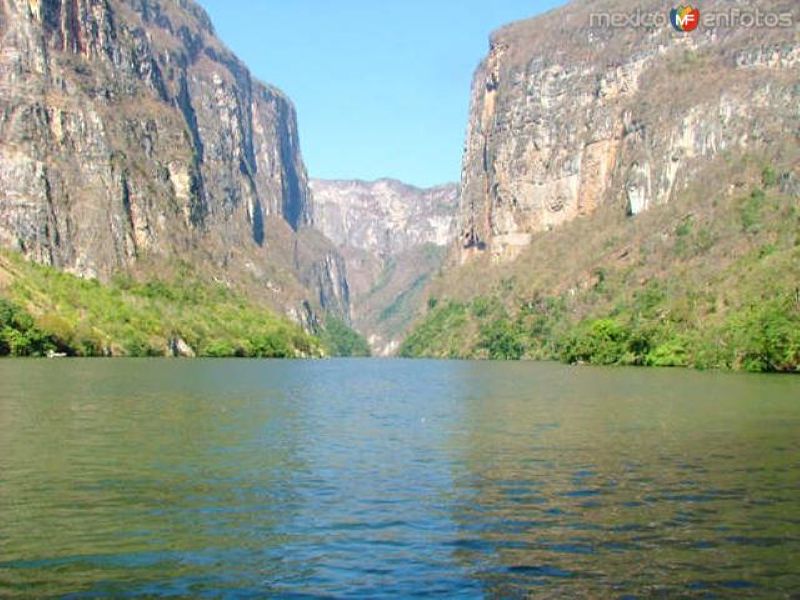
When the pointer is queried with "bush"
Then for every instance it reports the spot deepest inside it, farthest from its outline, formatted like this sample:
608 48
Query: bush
766 337
649 300
684 228
218 349
481 306
501 340
769 178
269 347
138 346
668 354
341 340
607 342
18 334
750 211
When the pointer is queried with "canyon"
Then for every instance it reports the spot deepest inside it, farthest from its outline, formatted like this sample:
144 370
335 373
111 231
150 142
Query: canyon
393 237
599 162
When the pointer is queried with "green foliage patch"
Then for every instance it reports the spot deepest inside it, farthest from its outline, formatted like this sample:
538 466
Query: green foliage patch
128 317
19 336
713 283
341 340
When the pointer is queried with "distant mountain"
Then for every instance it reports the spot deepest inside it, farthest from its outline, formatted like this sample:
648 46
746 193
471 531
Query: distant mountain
393 237
629 194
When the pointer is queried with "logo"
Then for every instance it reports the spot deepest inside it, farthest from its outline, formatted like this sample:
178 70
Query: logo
684 18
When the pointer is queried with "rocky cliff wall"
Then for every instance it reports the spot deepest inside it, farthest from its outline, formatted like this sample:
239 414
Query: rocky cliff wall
384 217
568 113
128 130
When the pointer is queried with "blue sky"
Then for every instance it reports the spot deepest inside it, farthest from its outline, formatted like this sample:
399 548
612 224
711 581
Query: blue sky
381 86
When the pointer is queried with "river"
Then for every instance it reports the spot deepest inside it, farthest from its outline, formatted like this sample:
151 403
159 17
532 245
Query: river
394 478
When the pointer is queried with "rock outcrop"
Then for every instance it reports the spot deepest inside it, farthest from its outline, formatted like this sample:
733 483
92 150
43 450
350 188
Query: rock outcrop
127 130
393 237
569 112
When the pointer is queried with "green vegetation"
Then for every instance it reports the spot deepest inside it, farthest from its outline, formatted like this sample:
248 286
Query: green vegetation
388 309
444 329
19 336
341 340
46 309
769 177
502 340
766 337
760 337
703 283
750 211
402 299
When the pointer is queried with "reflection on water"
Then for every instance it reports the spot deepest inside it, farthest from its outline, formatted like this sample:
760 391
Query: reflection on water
395 478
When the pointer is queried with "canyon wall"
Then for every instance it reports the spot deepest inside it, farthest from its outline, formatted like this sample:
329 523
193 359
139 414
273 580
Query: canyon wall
128 131
569 112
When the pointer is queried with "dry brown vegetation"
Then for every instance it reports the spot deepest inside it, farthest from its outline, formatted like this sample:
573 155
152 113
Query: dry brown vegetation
691 272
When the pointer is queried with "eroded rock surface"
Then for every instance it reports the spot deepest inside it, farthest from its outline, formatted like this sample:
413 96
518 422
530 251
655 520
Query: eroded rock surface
568 113
127 130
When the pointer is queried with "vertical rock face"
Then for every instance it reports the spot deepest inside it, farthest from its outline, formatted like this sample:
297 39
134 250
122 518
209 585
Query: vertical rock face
127 130
569 112
392 236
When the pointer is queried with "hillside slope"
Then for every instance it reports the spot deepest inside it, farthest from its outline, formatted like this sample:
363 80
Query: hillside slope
44 310
628 196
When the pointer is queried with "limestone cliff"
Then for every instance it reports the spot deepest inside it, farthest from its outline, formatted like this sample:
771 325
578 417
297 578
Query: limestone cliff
568 113
393 237
128 131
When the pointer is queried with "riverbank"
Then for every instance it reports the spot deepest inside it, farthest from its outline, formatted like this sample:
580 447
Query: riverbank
45 311
704 283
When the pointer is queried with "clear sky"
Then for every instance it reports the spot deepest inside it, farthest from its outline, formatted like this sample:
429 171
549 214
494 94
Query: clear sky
381 86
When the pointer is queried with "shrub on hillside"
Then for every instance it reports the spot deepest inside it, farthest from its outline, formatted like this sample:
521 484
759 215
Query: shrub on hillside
501 340
672 353
599 342
341 340
766 337
18 334
750 211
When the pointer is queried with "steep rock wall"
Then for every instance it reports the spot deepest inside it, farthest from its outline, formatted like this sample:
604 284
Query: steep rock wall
568 113
128 130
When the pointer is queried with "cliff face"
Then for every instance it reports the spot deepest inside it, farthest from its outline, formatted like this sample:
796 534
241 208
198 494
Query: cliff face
568 114
630 194
393 237
127 130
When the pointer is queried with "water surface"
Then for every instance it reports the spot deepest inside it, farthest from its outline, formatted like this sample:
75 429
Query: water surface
395 478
